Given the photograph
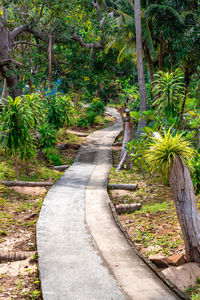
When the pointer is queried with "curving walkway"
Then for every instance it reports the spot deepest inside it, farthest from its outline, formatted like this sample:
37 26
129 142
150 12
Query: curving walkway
82 253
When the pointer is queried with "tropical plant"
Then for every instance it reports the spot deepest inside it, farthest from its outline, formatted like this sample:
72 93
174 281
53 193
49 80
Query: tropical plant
162 150
170 154
168 90
97 107
17 120
56 111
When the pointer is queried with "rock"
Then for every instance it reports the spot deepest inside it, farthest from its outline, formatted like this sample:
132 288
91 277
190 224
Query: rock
183 276
176 260
159 260
153 248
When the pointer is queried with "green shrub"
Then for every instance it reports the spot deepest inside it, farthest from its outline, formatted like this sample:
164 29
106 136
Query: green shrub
96 107
6 172
16 122
47 136
196 172
52 156
55 111
83 122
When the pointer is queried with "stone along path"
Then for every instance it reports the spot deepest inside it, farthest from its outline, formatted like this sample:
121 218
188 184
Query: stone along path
82 253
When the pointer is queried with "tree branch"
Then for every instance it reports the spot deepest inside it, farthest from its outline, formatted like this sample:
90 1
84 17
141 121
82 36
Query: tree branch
6 62
25 28
41 11
94 45
28 43
63 73
18 30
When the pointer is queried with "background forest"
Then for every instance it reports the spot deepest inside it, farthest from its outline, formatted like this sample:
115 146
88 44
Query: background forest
62 62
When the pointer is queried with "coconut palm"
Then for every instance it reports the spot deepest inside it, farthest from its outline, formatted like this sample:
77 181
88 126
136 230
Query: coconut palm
171 154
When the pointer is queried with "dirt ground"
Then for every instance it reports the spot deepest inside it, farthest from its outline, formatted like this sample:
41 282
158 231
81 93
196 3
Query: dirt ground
19 212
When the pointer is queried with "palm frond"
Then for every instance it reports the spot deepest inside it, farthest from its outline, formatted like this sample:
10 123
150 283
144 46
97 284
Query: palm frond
160 9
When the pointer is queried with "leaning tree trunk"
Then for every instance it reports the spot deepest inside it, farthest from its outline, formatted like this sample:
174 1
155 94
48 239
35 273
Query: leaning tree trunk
128 135
140 67
150 66
186 208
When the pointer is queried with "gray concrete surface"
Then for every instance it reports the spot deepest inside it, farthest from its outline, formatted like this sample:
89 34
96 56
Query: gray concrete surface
82 253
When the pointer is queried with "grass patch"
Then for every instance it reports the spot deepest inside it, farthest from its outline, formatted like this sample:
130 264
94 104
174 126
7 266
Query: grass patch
154 208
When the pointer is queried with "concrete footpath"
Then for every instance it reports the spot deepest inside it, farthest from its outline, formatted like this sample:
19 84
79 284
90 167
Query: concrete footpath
82 253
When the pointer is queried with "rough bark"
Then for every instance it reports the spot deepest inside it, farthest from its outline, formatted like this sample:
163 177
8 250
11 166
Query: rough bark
127 208
15 256
128 135
186 208
120 186
7 64
68 146
140 67
61 168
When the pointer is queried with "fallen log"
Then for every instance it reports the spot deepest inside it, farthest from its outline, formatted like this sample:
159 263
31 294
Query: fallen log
127 208
68 146
26 183
61 168
14 256
81 134
120 186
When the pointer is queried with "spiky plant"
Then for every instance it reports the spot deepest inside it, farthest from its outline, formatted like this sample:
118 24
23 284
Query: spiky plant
16 122
168 90
163 150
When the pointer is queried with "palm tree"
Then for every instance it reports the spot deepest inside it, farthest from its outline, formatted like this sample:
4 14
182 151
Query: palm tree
170 154
140 66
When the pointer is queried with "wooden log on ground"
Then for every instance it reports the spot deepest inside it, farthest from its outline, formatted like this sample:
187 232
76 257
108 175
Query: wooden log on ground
26 183
81 134
68 146
14 256
61 168
127 208
120 186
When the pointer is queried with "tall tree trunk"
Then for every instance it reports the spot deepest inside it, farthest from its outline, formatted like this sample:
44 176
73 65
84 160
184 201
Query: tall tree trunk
161 52
7 68
186 208
150 66
50 56
140 67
